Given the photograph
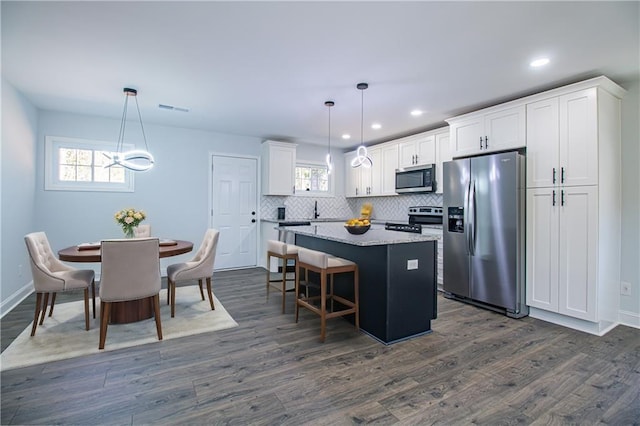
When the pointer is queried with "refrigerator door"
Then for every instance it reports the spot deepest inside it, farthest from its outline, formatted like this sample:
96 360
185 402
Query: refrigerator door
493 200
456 231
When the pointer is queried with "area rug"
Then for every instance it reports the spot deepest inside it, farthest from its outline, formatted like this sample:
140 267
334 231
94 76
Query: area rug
63 335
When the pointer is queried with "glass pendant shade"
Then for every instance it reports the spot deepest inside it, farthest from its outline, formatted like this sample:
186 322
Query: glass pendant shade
362 155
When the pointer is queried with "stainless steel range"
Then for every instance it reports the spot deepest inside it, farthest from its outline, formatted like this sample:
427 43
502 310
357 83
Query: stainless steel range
418 216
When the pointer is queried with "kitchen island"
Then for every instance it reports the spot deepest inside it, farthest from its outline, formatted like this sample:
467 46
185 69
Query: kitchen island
398 276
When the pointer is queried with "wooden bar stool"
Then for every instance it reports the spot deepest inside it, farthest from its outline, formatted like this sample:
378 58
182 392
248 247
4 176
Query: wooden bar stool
326 265
285 252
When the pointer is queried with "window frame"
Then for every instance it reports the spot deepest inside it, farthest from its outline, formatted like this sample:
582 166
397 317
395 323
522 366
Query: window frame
315 164
52 181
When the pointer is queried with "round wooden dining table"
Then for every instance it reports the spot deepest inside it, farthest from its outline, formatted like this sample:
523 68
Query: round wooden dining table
131 310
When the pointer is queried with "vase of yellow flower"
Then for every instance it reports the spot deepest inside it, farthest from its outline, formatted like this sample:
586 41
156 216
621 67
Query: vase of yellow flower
129 219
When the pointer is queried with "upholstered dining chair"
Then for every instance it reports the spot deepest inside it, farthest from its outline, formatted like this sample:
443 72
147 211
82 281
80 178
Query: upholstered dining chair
142 231
130 271
51 276
199 268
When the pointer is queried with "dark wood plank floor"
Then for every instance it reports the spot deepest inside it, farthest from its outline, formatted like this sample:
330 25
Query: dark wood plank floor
477 367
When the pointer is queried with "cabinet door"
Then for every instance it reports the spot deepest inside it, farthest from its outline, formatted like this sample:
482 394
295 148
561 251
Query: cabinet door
443 153
467 136
542 248
366 173
577 255
579 138
351 176
505 129
383 171
280 169
407 153
543 168
426 150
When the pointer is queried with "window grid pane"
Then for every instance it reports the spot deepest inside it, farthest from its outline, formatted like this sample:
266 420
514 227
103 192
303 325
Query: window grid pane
312 178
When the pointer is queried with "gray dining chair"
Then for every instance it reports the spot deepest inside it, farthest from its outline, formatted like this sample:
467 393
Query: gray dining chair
130 271
51 276
199 268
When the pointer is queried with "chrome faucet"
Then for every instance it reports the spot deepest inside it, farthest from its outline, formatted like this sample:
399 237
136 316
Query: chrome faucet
315 210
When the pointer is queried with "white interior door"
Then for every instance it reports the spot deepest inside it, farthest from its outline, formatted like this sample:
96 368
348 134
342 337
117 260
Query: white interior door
234 210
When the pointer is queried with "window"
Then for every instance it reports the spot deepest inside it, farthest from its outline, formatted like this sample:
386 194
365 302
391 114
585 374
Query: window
79 165
312 179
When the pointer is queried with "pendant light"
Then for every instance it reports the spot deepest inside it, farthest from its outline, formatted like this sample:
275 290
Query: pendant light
362 156
137 160
329 104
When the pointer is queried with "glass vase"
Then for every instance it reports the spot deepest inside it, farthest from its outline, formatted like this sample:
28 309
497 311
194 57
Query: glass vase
128 232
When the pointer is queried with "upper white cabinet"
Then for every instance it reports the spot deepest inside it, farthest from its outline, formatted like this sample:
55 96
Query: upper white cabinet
377 180
562 140
443 153
489 130
278 161
417 150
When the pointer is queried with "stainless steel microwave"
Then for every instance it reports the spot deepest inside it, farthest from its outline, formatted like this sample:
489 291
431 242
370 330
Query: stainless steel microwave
416 179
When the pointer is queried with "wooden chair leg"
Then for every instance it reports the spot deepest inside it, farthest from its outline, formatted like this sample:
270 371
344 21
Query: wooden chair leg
213 308
37 314
86 307
156 309
53 302
105 312
93 296
168 291
44 307
284 283
323 305
173 299
201 291
297 289
268 275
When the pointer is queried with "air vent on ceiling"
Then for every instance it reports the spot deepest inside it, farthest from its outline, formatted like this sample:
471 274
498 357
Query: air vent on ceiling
173 108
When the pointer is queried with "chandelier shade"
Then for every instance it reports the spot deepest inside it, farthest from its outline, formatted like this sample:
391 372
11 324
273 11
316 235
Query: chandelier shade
137 160
362 155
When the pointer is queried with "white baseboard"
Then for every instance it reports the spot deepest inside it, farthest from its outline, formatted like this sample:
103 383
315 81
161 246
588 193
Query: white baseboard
598 328
14 300
631 319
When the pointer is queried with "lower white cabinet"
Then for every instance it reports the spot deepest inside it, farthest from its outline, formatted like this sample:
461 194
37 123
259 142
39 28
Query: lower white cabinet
563 252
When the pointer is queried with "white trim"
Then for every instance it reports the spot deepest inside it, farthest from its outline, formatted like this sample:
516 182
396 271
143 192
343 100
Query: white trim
51 181
598 328
15 299
316 194
630 319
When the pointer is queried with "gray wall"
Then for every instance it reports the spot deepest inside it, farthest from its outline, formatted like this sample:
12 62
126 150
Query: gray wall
19 133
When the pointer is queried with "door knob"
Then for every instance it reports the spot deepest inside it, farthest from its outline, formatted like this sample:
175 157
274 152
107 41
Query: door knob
253 221
253 213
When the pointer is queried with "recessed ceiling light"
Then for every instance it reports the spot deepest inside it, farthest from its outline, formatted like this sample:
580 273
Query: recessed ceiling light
173 108
539 62
416 113
346 136
376 126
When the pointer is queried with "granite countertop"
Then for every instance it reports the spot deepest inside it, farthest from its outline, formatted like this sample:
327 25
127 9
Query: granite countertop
294 219
376 236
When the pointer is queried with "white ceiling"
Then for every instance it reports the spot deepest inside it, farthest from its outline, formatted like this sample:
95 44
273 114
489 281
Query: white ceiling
265 69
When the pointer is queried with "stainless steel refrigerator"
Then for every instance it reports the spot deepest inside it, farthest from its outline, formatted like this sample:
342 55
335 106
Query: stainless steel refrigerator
484 229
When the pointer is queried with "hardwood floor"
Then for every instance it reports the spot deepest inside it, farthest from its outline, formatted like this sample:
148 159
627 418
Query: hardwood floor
476 367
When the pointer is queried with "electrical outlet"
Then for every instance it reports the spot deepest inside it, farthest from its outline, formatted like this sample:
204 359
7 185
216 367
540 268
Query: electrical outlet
412 264
625 288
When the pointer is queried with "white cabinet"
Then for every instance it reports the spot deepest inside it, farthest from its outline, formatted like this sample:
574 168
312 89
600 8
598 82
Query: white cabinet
377 180
490 130
562 241
443 153
417 150
562 143
573 205
278 165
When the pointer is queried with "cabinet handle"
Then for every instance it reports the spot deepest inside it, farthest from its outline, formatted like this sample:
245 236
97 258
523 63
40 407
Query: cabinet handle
416 158
294 189
486 142
356 191
553 200
561 174
554 175
480 142
562 197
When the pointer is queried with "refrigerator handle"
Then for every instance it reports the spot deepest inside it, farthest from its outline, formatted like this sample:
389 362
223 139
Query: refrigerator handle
472 218
466 216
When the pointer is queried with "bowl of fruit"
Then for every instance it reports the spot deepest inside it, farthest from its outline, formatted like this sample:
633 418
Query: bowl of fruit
357 226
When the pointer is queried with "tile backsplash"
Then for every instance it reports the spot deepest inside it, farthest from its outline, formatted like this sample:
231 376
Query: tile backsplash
384 208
